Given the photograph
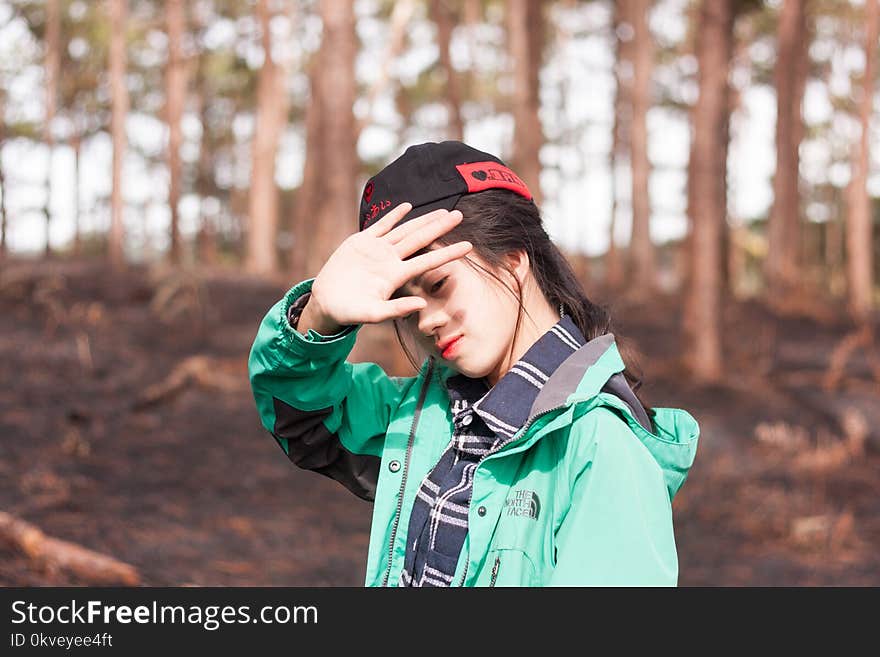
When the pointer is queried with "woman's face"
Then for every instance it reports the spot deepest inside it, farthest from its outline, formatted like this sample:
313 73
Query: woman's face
469 319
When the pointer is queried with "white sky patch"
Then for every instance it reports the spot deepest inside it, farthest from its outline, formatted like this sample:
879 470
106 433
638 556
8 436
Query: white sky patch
577 91
752 158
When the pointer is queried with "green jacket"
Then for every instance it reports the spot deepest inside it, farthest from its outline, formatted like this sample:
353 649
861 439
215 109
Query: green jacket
581 496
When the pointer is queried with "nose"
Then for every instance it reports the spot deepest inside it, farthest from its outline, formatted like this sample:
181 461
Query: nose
431 318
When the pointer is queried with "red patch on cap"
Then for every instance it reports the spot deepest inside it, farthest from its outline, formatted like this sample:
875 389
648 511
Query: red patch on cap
480 176
373 211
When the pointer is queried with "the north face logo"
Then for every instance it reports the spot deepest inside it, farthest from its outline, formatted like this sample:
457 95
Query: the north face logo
523 503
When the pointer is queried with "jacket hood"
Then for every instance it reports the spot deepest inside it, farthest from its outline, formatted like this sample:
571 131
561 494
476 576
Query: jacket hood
593 375
597 368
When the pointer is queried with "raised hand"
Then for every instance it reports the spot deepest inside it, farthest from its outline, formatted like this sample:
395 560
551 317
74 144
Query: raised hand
356 283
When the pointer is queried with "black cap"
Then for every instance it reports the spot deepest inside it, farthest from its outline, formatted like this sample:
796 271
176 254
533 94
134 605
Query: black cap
433 176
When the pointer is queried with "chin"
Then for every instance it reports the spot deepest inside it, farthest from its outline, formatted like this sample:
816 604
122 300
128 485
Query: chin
473 370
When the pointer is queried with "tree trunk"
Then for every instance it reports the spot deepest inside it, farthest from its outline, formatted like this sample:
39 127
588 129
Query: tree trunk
327 207
707 173
3 245
76 145
526 30
783 232
443 17
472 11
641 248
400 19
119 103
272 104
175 80
735 233
206 236
859 237
52 65
309 189
620 132
206 239
833 251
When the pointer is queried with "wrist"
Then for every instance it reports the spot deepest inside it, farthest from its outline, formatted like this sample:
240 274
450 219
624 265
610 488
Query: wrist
313 317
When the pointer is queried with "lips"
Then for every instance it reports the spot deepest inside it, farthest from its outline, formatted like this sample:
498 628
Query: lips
446 346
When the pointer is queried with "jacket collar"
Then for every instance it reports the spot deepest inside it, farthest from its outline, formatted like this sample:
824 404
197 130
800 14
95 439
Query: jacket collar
596 366
506 406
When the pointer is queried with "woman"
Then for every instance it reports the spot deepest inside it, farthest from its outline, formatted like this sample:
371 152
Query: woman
519 454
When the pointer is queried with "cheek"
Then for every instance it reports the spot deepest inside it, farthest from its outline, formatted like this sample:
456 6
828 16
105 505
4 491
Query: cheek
492 319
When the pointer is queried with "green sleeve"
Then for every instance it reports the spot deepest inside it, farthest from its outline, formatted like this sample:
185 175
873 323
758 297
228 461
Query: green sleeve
618 529
328 415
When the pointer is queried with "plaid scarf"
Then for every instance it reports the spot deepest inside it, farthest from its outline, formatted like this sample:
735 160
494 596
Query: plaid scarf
484 420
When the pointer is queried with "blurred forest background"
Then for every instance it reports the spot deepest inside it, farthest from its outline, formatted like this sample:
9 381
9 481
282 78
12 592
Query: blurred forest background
168 169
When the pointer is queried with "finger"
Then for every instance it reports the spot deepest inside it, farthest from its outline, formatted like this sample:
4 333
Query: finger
408 228
427 233
387 222
396 308
436 258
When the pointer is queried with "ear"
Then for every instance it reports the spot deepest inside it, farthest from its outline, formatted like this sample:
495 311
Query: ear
519 264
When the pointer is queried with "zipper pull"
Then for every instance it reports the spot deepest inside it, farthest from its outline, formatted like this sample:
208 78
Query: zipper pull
495 571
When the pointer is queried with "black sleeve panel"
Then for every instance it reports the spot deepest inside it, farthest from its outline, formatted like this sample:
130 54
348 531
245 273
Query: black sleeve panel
312 447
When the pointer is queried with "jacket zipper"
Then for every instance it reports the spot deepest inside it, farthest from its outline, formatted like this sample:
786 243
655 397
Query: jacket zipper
498 559
412 434
495 571
532 420
467 559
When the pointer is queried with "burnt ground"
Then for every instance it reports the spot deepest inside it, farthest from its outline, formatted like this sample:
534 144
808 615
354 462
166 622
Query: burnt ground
182 482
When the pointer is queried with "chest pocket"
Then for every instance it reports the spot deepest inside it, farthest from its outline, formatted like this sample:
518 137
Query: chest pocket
511 567
522 545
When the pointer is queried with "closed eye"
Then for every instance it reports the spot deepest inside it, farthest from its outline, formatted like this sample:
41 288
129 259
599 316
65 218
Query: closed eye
436 286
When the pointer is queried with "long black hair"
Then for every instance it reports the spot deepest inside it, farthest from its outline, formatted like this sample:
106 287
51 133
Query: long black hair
498 222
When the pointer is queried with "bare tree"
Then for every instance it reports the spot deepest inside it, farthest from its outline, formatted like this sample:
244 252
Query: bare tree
401 15
336 216
175 99
620 140
444 18
327 201
707 197
3 246
119 102
272 105
76 146
641 249
206 237
859 238
52 66
308 193
472 11
526 33
784 230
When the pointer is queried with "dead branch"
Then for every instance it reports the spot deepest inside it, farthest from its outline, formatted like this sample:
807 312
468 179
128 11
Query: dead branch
831 452
816 378
47 294
54 554
178 293
212 373
84 352
842 352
